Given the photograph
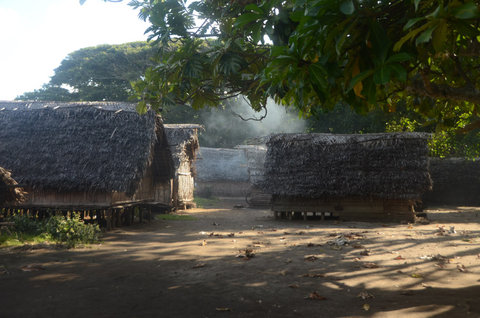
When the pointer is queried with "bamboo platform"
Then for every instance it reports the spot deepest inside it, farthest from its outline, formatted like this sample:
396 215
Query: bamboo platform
345 209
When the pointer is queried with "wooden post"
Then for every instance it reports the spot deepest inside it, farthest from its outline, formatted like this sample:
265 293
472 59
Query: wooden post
108 219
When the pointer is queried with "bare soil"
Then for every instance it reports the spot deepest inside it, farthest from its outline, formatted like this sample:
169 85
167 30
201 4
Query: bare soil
238 262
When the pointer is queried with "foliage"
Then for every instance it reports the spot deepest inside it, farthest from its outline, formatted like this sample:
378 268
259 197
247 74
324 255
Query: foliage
25 224
96 73
313 54
70 231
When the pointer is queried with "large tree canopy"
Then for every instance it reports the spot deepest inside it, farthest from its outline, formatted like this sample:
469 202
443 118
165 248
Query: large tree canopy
313 54
102 72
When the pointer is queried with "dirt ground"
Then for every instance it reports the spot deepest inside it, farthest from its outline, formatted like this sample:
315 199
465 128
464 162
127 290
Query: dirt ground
237 262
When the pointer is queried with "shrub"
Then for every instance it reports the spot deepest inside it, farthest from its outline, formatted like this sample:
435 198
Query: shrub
25 224
72 230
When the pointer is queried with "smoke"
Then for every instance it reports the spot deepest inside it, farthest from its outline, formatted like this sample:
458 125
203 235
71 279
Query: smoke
224 127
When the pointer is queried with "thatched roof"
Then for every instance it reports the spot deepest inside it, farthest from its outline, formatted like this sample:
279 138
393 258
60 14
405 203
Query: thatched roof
91 146
330 166
10 193
183 142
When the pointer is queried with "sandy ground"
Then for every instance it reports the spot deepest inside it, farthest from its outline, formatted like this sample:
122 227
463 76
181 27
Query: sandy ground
243 263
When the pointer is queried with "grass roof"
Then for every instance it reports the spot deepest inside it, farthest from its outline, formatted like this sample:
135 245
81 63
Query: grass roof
393 166
91 146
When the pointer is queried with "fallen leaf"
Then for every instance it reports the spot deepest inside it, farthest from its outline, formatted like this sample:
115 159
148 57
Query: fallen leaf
315 296
358 246
313 275
33 268
366 307
310 245
462 268
3 270
310 258
356 259
365 295
370 265
365 252
204 243
199 265
231 235
222 309
416 275
399 258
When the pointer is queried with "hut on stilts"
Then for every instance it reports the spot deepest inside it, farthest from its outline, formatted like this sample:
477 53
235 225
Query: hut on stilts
100 159
351 177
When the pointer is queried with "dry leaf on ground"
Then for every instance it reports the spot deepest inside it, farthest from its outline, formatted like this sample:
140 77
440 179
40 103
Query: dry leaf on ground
222 309
462 268
33 268
313 275
370 265
310 258
365 252
365 295
315 296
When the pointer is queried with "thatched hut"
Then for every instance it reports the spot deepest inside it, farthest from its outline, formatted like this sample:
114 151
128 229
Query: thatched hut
10 192
354 177
183 144
88 155
456 181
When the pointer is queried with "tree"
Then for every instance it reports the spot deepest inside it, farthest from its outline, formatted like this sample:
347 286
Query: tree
369 54
102 72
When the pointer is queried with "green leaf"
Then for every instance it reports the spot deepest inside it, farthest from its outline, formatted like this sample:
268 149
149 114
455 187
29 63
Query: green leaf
358 78
141 107
409 35
296 16
467 11
399 71
318 78
246 18
425 36
416 2
347 7
411 22
253 7
382 75
399 57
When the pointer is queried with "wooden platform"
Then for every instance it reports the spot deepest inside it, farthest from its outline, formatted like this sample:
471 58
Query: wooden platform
347 209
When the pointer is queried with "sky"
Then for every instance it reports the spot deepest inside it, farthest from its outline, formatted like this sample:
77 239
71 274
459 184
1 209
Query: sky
36 35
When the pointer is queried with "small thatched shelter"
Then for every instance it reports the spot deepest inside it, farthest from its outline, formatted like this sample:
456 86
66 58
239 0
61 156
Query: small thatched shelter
88 155
183 144
456 181
10 192
361 177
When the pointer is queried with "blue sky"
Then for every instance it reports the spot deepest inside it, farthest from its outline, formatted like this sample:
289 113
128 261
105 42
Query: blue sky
36 35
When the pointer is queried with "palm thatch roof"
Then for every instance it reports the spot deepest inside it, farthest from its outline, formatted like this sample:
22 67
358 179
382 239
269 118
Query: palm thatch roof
88 146
10 193
390 166
183 143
